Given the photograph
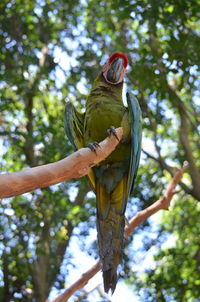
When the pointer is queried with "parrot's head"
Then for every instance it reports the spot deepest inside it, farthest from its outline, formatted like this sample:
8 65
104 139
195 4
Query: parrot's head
115 68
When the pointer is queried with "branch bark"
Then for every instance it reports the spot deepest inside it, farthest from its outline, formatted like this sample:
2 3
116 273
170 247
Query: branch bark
162 204
76 165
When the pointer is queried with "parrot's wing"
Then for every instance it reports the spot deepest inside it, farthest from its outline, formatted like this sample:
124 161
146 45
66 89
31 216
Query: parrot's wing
74 126
136 135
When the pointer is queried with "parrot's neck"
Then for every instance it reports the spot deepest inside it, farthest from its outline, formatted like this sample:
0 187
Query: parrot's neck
101 87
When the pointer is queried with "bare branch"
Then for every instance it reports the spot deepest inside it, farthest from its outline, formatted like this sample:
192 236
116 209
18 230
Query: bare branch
80 283
169 169
76 165
162 204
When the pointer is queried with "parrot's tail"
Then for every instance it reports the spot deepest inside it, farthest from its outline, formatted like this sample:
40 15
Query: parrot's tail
110 239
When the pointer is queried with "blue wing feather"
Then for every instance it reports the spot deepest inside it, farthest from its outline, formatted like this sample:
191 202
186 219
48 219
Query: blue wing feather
136 135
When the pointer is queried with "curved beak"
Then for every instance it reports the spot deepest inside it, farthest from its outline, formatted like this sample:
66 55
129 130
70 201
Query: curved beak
115 71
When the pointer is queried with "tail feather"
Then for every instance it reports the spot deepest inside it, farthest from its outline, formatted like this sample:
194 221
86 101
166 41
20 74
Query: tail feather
110 227
110 239
110 280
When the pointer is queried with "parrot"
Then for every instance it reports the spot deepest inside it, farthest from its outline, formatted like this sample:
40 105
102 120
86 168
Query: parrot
113 179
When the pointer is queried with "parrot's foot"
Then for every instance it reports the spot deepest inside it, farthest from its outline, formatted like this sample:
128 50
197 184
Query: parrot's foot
93 146
112 131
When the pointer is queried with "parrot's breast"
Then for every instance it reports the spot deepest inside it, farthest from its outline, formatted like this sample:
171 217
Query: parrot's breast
101 114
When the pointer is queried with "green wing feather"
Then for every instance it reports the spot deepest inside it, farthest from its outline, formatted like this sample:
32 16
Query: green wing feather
136 134
74 122
74 127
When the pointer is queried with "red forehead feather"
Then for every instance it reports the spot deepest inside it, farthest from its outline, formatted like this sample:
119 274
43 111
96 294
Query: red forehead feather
119 54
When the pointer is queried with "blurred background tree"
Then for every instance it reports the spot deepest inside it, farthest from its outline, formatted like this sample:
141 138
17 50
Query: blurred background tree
52 50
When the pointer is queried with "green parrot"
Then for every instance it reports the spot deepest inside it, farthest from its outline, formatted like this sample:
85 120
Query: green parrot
113 179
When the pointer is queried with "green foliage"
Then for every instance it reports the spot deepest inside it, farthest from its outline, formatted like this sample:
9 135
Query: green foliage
51 50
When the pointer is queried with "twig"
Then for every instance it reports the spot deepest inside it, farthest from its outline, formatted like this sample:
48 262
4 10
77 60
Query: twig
162 204
76 165
80 283
168 168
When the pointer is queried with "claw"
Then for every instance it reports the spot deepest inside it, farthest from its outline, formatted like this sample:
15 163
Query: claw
93 146
112 131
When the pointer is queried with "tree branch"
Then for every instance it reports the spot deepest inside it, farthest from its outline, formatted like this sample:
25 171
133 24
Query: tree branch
80 283
159 158
76 165
29 105
184 129
169 169
162 204
185 139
